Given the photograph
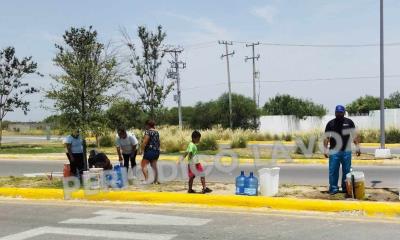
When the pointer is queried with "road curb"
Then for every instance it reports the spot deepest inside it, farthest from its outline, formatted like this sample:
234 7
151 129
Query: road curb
384 209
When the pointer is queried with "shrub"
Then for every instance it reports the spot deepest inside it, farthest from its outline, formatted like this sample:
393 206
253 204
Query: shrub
208 142
106 141
369 136
393 135
306 139
238 141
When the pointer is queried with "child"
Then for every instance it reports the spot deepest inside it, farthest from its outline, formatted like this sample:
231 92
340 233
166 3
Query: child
194 167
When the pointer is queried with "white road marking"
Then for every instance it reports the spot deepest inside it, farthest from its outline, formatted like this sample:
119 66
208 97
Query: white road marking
110 217
87 233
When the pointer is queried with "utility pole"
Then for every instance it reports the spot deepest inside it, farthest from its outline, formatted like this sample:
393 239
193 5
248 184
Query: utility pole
173 73
382 79
253 58
227 54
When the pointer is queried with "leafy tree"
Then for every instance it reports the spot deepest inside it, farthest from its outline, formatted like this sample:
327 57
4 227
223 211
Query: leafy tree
124 113
89 72
206 115
150 89
170 116
288 105
394 100
244 111
363 105
13 89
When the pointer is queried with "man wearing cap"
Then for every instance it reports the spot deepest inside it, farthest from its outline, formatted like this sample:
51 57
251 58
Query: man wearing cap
338 132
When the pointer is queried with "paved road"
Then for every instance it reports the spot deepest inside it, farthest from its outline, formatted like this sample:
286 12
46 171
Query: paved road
21 219
379 176
28 139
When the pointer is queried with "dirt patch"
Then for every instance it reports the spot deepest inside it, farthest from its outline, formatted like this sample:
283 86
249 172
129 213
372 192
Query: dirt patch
285 190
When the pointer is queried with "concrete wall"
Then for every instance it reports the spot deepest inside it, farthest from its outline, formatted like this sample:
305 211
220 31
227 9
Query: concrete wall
290 124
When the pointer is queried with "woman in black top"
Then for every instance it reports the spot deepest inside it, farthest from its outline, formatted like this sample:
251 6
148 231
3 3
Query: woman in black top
151 150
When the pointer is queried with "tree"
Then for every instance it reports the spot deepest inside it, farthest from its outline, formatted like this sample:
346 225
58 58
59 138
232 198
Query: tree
244 111
124 113
150 89
394 100
89 73
363 105
288 105
13 89
205 115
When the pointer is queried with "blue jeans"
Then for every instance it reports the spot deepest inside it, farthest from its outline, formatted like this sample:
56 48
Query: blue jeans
335 160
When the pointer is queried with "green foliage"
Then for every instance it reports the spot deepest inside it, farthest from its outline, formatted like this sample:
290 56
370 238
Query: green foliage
211 113
307 139
288 105
363 105
151 90
238 141
89 73
208 142
369 136
12 89
124 113
393 135
106 141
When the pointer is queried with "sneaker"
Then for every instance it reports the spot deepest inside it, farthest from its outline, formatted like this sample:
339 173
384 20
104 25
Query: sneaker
156 183
333 192
191 191
206 190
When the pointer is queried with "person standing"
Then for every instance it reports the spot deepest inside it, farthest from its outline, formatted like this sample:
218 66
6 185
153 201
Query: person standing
339 131
151 150
74 147
126 148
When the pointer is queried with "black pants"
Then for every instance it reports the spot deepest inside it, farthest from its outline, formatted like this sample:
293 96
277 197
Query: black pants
129 158
76 165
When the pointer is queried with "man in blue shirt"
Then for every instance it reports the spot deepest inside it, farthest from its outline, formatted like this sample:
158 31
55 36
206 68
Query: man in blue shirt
74 146
338 132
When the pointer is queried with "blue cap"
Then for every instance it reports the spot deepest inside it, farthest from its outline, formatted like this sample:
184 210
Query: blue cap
340 108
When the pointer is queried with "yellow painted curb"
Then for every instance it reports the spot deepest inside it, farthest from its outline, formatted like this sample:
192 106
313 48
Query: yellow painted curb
367 208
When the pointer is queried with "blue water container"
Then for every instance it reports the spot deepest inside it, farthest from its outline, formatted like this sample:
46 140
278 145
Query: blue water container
240 183
119 181
251 185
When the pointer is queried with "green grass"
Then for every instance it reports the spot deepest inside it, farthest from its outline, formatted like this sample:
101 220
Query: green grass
31 182
31 149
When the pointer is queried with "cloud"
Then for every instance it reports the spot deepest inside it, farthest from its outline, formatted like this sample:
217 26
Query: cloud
267 13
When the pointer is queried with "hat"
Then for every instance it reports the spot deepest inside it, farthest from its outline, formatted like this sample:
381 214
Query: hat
340 108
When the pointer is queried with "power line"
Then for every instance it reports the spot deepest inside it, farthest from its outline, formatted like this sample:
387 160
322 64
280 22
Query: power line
297 80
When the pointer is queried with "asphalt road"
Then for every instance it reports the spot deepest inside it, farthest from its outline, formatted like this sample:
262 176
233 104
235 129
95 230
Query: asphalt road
22 219
377 176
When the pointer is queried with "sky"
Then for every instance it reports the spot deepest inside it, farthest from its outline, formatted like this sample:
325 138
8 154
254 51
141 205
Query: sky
325 75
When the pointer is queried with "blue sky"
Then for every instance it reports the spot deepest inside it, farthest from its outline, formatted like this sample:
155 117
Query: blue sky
34 26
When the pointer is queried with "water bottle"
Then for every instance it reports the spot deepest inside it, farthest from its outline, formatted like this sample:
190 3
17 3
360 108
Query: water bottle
240 183
118 174
251 185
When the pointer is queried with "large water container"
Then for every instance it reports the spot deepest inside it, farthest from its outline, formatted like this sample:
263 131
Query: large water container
240 183
251 185
358 189
269 181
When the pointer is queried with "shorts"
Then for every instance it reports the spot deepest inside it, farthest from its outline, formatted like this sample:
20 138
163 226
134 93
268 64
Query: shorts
195 170
151 155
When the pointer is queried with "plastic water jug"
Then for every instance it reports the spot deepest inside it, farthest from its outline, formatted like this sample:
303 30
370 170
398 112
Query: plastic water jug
240 183
355 185
251 185
269 181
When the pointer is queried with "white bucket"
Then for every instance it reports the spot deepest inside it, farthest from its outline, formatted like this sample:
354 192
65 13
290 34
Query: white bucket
269 181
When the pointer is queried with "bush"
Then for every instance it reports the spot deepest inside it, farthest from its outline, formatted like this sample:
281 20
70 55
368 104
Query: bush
238 141
306 139
106 141
369 136
393 136
208 142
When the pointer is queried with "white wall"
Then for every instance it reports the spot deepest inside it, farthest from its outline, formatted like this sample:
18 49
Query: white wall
290 124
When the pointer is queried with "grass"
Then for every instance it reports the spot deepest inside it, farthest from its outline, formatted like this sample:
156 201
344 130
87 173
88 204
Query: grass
28 182
31 148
